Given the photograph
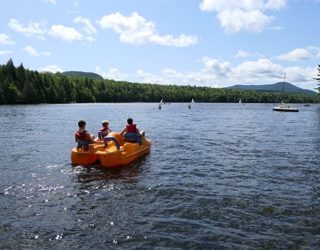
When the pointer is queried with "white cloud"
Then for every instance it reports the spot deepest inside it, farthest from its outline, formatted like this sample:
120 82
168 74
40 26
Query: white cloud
69 34
237 15
297 54
216 68
135 29
168 40
65 33
221 5
212 72
50 1
31 51
5 40
216 73
276 28
87 25
76 3
275 4
246 5
51 68
233 21
5 52
241 53
316 51
112 73
261 70
90 39
33 29
150 78
245 54
200 78
298 74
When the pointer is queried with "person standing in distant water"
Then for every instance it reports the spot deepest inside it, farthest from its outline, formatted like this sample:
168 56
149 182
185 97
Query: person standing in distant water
82 137
104 131
131 133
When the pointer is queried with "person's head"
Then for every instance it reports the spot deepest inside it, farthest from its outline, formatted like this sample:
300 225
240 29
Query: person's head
129 120
105 123
81 124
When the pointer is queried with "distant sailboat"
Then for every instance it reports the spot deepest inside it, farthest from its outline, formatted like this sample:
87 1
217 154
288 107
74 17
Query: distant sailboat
240 102
160 104
283 107
192 101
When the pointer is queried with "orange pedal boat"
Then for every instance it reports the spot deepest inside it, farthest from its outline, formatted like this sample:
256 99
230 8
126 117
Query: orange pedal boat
117 153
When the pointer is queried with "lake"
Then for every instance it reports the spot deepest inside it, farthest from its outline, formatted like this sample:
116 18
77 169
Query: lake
218 176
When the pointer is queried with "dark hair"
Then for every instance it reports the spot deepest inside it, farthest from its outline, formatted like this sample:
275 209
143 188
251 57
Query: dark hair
129 120
81 123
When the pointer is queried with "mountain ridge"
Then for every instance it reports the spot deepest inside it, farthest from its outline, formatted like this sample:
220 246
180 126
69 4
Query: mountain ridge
276 87
82 74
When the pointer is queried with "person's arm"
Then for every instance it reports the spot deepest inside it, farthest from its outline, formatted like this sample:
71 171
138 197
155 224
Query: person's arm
89 138
99 135
138 132
123 131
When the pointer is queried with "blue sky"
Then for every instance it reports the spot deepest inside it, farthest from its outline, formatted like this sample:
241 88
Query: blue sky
214 43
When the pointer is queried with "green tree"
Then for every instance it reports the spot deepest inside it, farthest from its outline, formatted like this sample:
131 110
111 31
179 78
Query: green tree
13 94
20 85
21 76
52 95
29 93
318 77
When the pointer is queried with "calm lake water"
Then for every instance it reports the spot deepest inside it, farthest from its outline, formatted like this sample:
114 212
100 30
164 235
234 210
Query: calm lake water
218 176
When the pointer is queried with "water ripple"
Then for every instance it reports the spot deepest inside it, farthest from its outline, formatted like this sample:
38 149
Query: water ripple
219 176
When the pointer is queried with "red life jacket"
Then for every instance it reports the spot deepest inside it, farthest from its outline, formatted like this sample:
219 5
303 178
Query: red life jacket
131 128
103 132
103 129
81 136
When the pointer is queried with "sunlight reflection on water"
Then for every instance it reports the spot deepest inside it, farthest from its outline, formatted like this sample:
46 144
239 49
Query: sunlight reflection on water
218 176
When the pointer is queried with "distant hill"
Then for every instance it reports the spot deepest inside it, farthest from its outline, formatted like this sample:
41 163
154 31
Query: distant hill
83 74
276 87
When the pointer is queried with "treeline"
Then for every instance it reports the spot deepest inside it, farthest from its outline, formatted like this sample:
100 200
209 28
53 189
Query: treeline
22 86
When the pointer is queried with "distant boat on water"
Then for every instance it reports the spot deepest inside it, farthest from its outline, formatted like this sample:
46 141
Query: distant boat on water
283 107
160 104
192 101
240 102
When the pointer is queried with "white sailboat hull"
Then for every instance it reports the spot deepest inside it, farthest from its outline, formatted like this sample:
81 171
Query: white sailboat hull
285 108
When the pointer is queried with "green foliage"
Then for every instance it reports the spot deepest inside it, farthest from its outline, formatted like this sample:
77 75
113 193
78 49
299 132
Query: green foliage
318 77
22 86
82 74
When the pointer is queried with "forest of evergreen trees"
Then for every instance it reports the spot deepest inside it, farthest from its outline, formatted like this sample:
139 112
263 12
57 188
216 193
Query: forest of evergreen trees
23 86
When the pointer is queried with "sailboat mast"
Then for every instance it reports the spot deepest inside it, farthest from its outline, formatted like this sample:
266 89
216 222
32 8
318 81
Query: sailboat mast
284 81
